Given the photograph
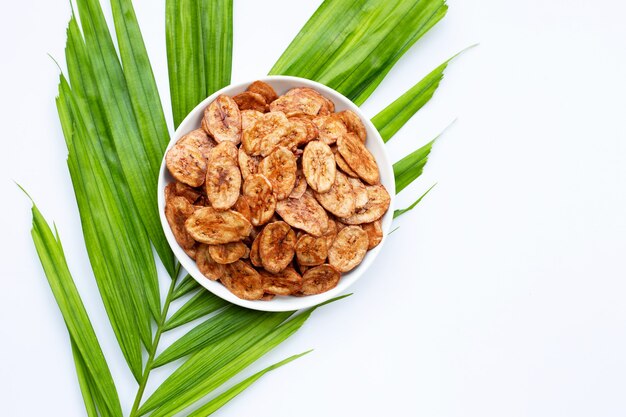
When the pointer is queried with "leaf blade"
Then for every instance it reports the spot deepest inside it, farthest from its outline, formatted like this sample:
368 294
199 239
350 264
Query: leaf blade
400 212
201 304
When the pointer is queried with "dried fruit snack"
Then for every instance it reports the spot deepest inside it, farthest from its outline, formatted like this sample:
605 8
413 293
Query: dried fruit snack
275 195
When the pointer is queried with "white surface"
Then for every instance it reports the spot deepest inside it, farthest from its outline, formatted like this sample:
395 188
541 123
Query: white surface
502 294
375 144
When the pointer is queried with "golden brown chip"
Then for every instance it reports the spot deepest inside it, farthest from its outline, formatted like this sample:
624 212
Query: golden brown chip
258 192
374 232
300 186
207 265
343 165
223 178
177 211
267 297
249 118
222 119
250 101
263 89
279 168
228 252
319 279
331 232
348 249
330 128
187 159
178 189
311 250
243 207
243 280
277 246
248 165
340 199
286 282
296 104
353 123
360 192
255 257
359 158
304 213
214 227
318 166
268 130
327 107
295 135
377 205
224 150
307 123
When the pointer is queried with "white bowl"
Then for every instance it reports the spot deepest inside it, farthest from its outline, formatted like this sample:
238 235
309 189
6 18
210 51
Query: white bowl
374 143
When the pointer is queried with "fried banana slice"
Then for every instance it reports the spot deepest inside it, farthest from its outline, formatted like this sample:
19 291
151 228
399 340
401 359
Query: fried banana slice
187 159
343 165
228 252
311 250
277 246
360 192
250 101
243 207
348 249
331 232
263 89
359 158
214 227
177 211
319 279
377 205
258 192
179 189
328 106
249 118
330 128
353 123
318 166
222 120
223 178
243 280
286 282
340 199
300 186
255 257
269 129
309 126
374 232
248 165
296 104
207 265
304 213
280 168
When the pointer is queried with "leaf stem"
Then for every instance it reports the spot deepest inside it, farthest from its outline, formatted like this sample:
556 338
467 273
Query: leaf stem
153 348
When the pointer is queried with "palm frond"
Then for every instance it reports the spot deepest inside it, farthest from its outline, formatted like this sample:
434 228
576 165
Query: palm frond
398 213
186 285
411 166
200 305
352 45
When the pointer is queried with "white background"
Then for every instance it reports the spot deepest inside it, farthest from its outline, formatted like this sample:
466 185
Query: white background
502 294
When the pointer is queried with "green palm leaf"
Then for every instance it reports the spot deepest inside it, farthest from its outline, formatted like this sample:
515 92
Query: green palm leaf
411 166
199 305
93 367
398 213
352 45
186 285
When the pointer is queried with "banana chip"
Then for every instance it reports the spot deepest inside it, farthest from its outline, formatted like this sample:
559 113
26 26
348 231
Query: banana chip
268 129
243 280
309 126
360 192
263 89
277 246
377 205
330 128
353 123
248 165
177 211
340 199
286 282
259 195
279 168
311 250
318 166
327 107
250 101
243 207
343 165
319 279
207 265
304 213
186 160
300 186
374 232
223 177
213 227
178 189
228 252
222 120
249 118
296 104
348 249
255 257
358 158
